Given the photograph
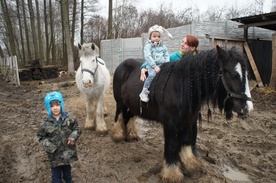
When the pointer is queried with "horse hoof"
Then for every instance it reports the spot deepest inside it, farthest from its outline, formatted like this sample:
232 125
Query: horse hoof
172 173
132 138
102 133
89 127
190 162
117 137
196 175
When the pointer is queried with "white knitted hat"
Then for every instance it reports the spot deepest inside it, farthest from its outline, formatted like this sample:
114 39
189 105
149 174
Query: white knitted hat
160 29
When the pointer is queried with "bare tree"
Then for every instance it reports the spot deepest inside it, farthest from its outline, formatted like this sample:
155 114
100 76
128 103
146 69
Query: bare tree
39 31
21 32
124 22
33 29
26 25
97 29
213 13
87 10
273 7
46 33
8 26
82 20
73 27
53 40
259 6
110 16
65 19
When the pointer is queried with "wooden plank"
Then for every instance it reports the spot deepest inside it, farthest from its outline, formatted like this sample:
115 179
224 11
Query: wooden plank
272 82
253 65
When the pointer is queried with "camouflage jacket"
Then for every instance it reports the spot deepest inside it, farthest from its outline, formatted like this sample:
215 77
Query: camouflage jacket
54 135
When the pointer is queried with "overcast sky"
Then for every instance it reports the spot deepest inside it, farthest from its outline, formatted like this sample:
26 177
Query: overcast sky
178 4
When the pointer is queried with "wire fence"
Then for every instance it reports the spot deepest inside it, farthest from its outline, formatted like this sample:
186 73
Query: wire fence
9 69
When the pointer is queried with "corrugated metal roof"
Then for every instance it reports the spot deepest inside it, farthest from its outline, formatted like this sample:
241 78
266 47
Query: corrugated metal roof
266 21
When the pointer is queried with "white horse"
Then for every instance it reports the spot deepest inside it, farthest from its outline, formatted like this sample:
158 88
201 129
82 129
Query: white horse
93 80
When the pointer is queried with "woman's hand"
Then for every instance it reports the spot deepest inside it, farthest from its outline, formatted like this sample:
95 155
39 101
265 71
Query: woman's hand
143 76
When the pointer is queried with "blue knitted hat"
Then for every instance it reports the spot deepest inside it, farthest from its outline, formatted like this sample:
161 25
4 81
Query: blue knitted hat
51 96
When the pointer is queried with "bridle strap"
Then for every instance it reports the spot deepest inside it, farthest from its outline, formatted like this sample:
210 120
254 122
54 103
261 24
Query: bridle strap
95 70
229 93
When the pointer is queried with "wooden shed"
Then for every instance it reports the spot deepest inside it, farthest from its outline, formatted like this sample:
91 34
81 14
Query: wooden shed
261 54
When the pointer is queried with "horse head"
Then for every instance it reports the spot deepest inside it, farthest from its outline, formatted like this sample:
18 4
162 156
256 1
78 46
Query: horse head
88 53
232 86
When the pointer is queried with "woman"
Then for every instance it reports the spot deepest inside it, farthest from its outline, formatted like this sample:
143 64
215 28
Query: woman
189 45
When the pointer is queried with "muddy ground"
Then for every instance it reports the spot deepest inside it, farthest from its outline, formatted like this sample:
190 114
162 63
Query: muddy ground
241 150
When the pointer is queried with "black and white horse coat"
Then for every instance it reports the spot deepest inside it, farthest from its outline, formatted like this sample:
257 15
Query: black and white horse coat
176 96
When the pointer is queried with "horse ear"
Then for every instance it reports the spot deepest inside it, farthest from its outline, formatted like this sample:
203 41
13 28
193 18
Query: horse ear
79 46
222 56
93 46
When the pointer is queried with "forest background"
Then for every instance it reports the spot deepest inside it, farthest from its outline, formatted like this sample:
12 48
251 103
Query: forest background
50 30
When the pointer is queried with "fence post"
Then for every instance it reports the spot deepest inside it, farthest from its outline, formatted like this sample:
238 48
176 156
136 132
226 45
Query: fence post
15 63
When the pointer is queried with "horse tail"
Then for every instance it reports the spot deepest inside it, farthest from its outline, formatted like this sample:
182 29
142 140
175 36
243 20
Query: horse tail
120 77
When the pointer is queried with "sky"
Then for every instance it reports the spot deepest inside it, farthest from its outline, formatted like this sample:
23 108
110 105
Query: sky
178 4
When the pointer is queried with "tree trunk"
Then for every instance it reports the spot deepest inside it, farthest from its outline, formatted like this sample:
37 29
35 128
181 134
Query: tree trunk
21 33
46 33
82 19
74 22
65 19
64 50
1 52
9 27
41 39
34 35
53 40
109 34
26 32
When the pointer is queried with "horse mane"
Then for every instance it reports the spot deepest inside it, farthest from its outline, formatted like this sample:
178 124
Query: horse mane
88 51
202 71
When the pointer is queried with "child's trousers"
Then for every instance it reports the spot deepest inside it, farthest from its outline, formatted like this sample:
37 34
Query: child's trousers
151 75
61 172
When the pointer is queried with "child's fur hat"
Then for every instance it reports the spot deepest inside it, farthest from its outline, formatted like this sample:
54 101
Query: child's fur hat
160 29
52 96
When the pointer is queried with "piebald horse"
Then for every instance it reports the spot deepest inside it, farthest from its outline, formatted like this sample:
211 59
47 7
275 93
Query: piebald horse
176 96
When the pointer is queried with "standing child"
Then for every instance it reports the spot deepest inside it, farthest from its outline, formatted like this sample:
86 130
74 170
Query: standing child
58 135
155 53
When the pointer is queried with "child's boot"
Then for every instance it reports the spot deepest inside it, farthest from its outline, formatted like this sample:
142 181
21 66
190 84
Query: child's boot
144 95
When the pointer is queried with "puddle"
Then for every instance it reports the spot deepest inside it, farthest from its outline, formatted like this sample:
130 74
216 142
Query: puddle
235 175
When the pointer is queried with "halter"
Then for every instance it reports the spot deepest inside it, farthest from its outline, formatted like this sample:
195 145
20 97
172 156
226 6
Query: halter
230 94
95 70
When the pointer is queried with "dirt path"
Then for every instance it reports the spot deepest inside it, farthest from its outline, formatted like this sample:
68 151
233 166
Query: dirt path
238 151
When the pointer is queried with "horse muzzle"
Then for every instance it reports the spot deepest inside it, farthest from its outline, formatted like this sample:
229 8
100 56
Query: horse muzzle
244 113
87 84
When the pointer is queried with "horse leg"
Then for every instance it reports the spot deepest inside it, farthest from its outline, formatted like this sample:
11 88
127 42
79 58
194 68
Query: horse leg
100 123
131 130
188 159
105 110
90 117
118 130
190 162
171 171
